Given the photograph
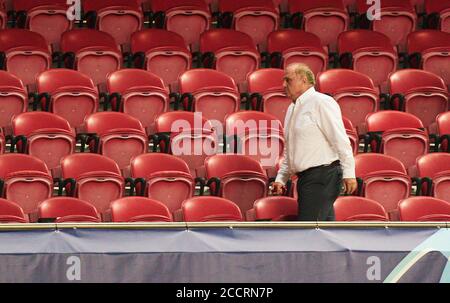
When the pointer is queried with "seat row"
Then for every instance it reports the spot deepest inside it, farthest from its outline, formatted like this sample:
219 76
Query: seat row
385 179
326 18
215 209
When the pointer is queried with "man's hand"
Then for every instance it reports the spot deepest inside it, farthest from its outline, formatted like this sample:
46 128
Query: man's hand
350 186
277 188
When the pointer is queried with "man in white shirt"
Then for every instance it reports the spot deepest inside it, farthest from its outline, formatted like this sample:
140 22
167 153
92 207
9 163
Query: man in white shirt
317 148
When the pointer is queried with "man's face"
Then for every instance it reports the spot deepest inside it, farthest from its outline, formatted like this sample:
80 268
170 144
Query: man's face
294 84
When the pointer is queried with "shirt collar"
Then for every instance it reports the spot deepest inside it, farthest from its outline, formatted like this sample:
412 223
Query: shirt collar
303 97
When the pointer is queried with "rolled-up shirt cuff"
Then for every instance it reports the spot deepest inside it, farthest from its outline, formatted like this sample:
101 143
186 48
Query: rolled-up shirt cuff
281 179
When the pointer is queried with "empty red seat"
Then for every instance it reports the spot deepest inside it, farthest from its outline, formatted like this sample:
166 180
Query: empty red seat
210 92
46 136
354 92
274 209
27 181
188 18
231 52
257 18
384 179
294 46
438 14
25 53
93 178
163 177
139 93
429 50
257 135
424 209
161 52
396 19
420 93
11 212
236 177
325 18
188 136
266 92
443 130
119 18
434 170
368 52
46 17
117 136
398 134
139 209
13 98
67 209
91 52
207 209
67 93
352 134
359 209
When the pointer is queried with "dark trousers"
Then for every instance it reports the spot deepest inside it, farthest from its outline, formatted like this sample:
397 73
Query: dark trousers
317 190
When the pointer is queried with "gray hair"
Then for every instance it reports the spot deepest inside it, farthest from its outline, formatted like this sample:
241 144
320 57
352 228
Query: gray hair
304 71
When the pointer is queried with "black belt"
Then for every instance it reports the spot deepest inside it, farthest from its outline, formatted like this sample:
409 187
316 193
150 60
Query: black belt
334 164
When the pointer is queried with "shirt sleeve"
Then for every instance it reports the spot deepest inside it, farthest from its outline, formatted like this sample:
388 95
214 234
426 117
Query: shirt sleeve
283 172
331 124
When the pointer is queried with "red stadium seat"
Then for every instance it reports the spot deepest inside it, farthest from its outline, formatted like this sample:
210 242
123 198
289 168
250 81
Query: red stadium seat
438 14
257 18
434 170
384 179
257 135
420 93
429 50
10 212
138 93
91 52
189 136
139 209
118 136
46 136
368 52
237 178
210 92
354 92
67 209
443 130
13 98
294 46
324 18
93 178
24 53
267 94
424 209
207 209
67 93
231 52
163 177
396 20
274 209
27 181
359 209
46 17
161 52
119 18
352 134
402 135
188 18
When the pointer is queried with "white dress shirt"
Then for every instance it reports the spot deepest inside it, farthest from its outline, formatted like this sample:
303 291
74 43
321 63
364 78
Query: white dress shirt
315 135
